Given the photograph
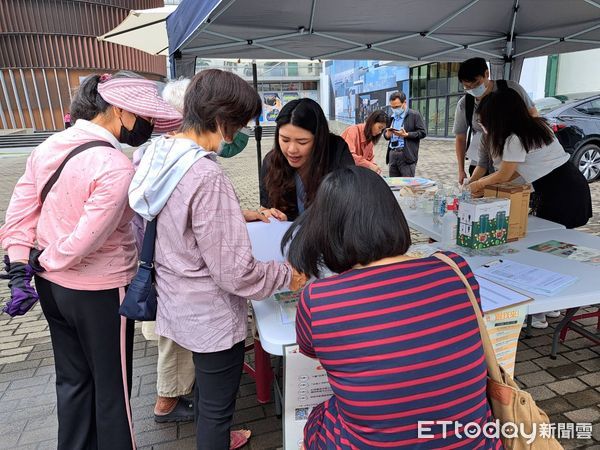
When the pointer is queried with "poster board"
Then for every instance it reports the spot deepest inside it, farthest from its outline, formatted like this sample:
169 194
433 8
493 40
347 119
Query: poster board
305 386
504 327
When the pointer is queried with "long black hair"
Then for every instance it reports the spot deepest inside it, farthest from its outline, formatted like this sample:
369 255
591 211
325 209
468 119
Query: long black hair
279 180
354 219
377 116
504 113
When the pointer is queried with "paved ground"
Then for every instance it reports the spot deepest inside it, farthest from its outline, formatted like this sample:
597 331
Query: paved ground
568 388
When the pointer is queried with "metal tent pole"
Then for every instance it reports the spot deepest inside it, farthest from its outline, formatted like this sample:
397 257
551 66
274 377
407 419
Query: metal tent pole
257 128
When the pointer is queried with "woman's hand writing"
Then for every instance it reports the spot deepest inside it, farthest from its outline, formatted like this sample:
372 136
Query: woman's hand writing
274 212
253 216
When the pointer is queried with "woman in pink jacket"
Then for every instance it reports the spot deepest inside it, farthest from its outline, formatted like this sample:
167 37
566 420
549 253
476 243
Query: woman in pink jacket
82 225
363 137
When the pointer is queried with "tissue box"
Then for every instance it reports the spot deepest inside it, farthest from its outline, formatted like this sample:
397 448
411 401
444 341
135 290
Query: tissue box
483 222
518 194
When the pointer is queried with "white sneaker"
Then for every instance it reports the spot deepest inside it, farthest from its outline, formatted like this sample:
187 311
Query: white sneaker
539 324
553 314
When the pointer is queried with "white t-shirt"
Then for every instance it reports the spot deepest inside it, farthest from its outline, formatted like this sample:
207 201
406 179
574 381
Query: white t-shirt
535 164
461 125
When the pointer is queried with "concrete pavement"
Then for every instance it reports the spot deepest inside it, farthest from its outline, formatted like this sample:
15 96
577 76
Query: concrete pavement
568 388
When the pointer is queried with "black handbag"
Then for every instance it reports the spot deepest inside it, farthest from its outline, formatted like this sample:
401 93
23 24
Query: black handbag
140 300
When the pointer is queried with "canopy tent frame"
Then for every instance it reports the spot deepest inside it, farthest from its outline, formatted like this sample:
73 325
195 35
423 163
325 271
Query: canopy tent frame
507 56
241 37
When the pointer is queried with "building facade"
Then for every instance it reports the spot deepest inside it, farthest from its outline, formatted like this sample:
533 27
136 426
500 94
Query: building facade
48 46
358 87
278 81
435 91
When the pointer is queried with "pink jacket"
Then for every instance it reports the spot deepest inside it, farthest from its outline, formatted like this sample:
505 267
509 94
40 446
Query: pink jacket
362 151
84 225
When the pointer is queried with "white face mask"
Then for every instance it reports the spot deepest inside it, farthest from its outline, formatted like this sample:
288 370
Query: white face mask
478 91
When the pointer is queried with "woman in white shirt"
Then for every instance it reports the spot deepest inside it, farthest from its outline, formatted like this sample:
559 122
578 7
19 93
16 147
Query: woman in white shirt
525 149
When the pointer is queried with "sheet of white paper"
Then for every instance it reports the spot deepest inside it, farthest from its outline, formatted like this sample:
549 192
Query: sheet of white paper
529 278
266 239
493 296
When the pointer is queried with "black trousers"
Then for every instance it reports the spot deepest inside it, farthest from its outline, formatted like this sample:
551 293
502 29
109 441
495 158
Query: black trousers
563 196
218 377
90 341
399 167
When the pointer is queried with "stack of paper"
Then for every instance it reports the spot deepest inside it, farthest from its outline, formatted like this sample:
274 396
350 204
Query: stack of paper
495 297
526 277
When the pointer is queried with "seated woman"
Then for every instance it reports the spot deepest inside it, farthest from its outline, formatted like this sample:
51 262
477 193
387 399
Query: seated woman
363 137
525 149
304 152
397 336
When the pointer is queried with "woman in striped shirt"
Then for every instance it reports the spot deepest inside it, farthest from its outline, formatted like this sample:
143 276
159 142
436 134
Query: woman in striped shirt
397 336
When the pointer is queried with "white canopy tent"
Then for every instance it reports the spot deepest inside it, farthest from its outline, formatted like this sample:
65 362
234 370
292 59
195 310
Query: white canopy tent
502 31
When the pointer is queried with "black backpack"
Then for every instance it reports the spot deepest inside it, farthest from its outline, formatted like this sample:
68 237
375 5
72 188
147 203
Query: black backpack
470 107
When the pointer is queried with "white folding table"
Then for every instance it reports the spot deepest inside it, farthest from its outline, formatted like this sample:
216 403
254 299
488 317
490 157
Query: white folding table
584 292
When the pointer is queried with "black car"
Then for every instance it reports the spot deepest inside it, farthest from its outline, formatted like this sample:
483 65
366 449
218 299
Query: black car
575 120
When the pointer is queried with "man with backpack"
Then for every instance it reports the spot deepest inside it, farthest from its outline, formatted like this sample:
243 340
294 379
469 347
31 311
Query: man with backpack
475 78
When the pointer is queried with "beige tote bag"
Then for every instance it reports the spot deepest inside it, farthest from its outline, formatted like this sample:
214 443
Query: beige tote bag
509 403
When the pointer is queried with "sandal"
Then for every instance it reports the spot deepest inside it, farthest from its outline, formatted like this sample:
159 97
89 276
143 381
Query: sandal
238 438
182 412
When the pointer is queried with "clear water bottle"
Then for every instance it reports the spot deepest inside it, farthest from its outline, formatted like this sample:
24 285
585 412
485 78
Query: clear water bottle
439 205
449 226
465 193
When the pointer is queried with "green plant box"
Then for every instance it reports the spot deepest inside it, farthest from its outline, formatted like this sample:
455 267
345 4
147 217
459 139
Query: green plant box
483 222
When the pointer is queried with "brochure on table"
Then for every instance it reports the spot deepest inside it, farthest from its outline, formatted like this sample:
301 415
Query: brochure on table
569 251
305 386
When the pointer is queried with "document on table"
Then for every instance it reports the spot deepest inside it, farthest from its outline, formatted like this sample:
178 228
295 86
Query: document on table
495 297
266 239
522 276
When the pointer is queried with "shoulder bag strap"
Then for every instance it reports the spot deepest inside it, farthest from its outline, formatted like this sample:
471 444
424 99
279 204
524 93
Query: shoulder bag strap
147 253
76 151
469 108
490 354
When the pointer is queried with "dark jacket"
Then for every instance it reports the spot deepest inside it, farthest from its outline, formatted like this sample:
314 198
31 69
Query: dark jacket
413 125
339 157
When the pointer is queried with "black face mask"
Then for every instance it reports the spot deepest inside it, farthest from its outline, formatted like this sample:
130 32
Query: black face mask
141 132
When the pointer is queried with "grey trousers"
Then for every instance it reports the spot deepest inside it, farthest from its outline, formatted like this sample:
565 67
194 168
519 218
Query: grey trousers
398 167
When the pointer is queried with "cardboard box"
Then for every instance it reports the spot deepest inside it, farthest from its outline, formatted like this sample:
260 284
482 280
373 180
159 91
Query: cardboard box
483 222
518 194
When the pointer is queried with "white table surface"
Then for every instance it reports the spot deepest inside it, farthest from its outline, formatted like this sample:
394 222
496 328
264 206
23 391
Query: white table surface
274 334
423 222
585 291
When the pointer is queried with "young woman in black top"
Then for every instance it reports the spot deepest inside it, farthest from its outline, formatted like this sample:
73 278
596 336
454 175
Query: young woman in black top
304 152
